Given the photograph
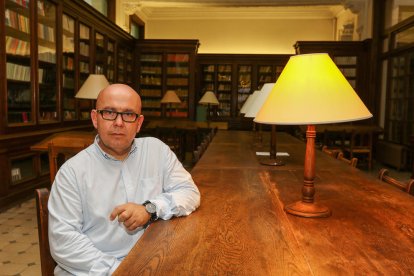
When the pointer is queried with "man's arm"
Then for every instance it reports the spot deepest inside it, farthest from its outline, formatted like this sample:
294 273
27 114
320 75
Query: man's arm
70 248
180 195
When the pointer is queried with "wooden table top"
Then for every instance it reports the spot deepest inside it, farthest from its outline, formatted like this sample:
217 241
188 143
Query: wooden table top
185 124
73 138
241 227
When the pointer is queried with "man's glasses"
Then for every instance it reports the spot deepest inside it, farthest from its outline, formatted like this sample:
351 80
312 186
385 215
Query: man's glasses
110 115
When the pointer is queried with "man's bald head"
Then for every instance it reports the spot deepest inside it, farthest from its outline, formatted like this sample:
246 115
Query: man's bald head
118 92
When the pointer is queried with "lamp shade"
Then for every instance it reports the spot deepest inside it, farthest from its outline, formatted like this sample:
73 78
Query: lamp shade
170 97
311 90
92 86
248 102
209 98
259 100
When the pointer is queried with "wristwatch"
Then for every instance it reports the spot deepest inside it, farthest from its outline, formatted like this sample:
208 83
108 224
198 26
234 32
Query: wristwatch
152 210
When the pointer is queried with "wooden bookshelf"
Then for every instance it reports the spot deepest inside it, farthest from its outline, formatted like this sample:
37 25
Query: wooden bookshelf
48 50
166 65
233 78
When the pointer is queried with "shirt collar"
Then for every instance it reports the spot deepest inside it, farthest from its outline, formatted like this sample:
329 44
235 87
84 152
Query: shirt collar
107 155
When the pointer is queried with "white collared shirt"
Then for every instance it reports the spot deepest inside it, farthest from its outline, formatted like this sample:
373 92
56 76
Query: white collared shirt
83 240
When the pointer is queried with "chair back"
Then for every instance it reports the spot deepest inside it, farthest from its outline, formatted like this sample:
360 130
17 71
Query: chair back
407 186
352 162
58 155
47 263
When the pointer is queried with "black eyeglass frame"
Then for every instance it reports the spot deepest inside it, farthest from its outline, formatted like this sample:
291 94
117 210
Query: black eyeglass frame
101 111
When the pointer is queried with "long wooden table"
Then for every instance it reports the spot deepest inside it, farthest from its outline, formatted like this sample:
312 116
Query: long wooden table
241 227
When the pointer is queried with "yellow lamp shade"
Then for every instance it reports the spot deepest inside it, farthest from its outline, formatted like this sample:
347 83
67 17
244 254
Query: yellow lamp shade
311 90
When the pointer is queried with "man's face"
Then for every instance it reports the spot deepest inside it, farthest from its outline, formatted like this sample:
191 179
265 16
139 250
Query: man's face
116 136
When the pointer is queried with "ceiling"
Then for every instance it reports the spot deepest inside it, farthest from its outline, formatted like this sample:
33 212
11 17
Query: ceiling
200 9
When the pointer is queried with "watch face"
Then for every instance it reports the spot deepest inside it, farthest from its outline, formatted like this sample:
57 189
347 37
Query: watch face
150 207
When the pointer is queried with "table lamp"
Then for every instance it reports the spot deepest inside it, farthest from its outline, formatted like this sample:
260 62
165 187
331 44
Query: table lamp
209 98
252 112
246 107
170 97
92 86
311 90
248 102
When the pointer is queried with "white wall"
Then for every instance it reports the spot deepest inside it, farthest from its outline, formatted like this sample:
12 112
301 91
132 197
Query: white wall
243 36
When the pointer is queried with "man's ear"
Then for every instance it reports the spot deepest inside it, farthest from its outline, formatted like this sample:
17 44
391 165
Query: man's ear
94 117
140 121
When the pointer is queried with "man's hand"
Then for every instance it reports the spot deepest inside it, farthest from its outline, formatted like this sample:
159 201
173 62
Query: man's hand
131 214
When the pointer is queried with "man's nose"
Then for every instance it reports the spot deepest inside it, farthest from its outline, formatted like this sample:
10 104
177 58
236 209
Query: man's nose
118 120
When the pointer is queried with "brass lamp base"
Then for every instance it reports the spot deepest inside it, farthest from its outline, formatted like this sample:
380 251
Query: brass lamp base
308 210
272 162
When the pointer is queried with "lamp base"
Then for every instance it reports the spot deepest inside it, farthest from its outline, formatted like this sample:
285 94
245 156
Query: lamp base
272 162
308 210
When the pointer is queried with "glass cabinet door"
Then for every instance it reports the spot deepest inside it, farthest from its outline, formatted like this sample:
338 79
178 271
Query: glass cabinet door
264 75
224 85
18 72
84 52
47 61
121 66
151 84
68 72
178 81
129 72
85 105
208 78
99 54
110 62
244 84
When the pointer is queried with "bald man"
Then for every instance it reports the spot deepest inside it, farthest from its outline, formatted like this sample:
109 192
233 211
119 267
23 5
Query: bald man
104 198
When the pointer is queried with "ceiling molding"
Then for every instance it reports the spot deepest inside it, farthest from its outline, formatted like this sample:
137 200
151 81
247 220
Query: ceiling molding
231 9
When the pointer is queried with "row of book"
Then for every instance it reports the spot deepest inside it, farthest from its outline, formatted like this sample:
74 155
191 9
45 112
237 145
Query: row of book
68 63
23 3
84 32
16 46
68 23
17 21
151 70
265 69
84 67
46 54
245 69
177 70
18 96
150 93
45 32
150 80
224 77
224 96
151 58
177 81
19 72
68 82
224 87
151 104
177 58
182 93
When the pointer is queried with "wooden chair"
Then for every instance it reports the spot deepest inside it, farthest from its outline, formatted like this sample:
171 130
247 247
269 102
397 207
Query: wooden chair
405 186
47 263
361 143
331 152
352 162
58 155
